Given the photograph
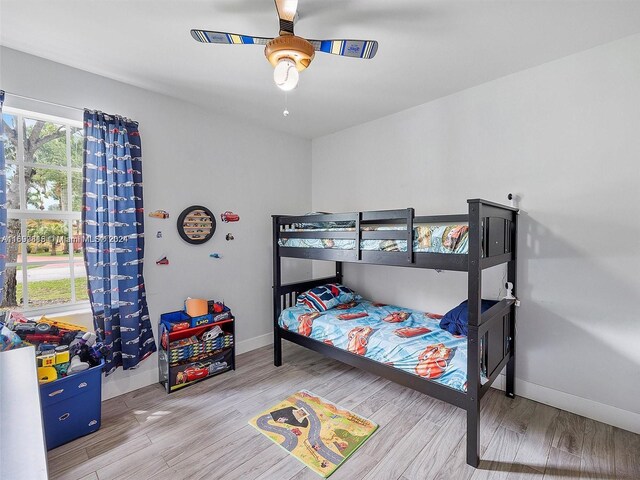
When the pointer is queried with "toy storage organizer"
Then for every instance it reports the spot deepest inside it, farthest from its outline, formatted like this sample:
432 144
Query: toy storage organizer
185 358
71 406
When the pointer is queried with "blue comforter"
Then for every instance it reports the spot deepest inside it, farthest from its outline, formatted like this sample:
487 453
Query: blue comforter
399 337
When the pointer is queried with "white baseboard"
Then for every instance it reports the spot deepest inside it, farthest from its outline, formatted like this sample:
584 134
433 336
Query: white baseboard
252 343
572 403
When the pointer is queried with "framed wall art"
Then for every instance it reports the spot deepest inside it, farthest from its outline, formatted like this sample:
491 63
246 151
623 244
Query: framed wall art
196 224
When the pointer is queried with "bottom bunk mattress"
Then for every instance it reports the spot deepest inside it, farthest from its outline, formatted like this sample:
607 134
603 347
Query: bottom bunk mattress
399 337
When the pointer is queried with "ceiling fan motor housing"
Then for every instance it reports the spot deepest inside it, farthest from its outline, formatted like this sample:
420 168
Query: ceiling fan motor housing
290 46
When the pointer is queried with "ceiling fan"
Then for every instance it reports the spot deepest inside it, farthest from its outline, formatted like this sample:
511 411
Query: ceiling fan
289 53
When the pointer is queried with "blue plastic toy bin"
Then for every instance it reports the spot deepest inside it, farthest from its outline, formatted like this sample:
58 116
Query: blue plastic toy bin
181 316
201 320
174 317
71 406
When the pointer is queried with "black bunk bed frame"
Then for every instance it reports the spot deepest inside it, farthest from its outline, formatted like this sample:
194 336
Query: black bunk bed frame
493 240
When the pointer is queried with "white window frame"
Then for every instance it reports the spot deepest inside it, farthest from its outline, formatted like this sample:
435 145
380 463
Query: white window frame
23 214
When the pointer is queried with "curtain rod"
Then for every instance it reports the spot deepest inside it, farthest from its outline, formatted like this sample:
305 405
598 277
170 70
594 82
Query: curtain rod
127 119
44 101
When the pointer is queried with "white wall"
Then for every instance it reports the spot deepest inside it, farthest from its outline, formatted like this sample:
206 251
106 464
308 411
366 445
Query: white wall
190 156
565 136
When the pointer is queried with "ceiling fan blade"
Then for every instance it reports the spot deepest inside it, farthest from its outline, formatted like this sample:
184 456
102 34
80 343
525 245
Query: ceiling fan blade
347 48
286 13
207 36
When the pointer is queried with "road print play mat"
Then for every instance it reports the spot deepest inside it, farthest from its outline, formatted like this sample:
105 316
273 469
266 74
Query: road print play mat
317 432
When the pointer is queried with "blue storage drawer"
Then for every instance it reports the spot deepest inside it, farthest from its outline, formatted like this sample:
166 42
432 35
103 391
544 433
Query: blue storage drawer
201 320
180 316
174 317
71 406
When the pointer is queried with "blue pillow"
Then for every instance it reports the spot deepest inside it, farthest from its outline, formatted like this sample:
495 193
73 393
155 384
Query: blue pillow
326 297
456 320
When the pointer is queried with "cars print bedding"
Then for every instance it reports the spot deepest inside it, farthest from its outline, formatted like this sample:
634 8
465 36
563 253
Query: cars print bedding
399 337
426 239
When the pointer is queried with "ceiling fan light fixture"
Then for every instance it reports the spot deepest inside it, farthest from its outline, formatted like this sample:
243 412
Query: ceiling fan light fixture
286 75
292 47
288 53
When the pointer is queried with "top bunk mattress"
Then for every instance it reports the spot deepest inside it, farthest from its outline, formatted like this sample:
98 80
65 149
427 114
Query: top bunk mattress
399 337
426 239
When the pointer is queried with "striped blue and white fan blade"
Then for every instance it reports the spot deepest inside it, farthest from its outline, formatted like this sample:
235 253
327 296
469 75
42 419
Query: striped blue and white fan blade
207 36
347 48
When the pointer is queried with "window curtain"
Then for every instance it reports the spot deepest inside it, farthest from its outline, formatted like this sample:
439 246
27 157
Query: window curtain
112 222
3 204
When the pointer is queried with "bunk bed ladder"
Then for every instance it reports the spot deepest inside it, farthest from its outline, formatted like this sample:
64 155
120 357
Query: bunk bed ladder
512 271
277 303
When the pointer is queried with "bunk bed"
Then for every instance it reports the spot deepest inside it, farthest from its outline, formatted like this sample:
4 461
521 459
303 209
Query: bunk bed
484 237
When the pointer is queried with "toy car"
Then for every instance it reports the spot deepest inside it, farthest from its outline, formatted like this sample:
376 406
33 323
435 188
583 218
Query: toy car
211 334
218 307
229 216
215 366
23 329
37 338
296 431
222 316
175 327
192 373
159 214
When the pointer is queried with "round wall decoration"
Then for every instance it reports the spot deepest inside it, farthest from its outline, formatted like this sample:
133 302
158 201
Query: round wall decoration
196 224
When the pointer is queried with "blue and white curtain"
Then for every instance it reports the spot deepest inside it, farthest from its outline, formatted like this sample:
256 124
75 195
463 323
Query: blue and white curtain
112 219
3 203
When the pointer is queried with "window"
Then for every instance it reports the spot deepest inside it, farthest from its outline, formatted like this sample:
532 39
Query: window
45 265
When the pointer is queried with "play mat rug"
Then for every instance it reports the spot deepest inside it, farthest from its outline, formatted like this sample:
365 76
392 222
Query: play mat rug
317 432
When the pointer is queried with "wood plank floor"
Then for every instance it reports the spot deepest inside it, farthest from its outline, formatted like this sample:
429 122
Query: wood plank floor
202 432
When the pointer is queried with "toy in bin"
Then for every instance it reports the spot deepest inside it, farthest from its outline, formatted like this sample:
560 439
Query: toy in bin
187 348
63 360
199 370
219 307
180 326
8 338
47 331
211 334
62 349
196 307
198 310
175 321
86 353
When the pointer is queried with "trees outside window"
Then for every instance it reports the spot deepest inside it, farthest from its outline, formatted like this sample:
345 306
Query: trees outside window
45 266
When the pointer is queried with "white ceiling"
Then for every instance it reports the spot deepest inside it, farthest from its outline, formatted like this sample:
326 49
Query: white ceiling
428 49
